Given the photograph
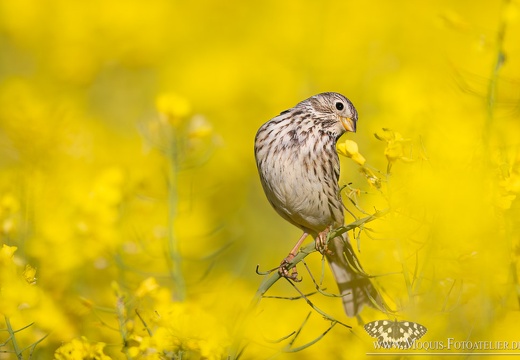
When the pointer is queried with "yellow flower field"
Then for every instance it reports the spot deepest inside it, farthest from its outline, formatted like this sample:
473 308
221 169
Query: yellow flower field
132 219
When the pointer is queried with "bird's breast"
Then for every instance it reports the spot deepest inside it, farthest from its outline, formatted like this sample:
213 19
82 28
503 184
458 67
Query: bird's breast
299 175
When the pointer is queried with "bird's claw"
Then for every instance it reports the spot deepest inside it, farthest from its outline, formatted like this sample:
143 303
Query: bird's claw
321 244
283 270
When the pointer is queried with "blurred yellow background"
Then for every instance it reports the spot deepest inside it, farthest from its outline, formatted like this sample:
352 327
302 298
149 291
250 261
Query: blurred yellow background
131 214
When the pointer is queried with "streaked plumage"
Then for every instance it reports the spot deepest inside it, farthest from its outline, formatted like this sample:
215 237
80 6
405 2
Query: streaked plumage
299 170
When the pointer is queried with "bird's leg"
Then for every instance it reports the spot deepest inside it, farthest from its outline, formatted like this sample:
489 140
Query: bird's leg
321 242
283 269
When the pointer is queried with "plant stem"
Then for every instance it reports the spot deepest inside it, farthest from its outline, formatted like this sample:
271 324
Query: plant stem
174 255
271 279
11 332
500 59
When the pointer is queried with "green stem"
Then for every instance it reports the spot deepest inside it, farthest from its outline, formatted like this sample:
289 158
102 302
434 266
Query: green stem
269 281
174 254
12 336
500 59
302 254
235 350
121 318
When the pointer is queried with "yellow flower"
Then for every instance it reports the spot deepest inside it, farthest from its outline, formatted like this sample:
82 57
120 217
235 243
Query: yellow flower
350 149
81 349
148 285
199 127
509 188
372 179
7 253
396 146
29 274
173 107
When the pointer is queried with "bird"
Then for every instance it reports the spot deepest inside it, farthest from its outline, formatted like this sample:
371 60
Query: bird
299 170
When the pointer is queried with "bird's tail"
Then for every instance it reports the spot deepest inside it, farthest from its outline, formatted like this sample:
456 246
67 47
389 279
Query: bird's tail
354 285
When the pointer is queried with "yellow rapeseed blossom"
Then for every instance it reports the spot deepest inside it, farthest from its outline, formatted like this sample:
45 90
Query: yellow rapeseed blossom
29 274
6 253
146 286
187 327
9 213
131 213
173 107
350 149
15 291
23 302
172 328
81 349
397 148
371 178
199 127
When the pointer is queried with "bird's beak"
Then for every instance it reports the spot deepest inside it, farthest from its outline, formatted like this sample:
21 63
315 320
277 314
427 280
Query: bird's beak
348 124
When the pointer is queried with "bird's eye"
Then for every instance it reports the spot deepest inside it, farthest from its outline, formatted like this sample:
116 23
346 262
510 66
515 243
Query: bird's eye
339 106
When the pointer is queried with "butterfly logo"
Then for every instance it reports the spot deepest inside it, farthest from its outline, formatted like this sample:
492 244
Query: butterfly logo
398 334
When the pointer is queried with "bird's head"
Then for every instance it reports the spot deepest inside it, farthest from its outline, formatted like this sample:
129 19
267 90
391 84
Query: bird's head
335 113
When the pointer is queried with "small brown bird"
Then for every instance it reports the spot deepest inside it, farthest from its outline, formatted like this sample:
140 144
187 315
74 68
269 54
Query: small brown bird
299 170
